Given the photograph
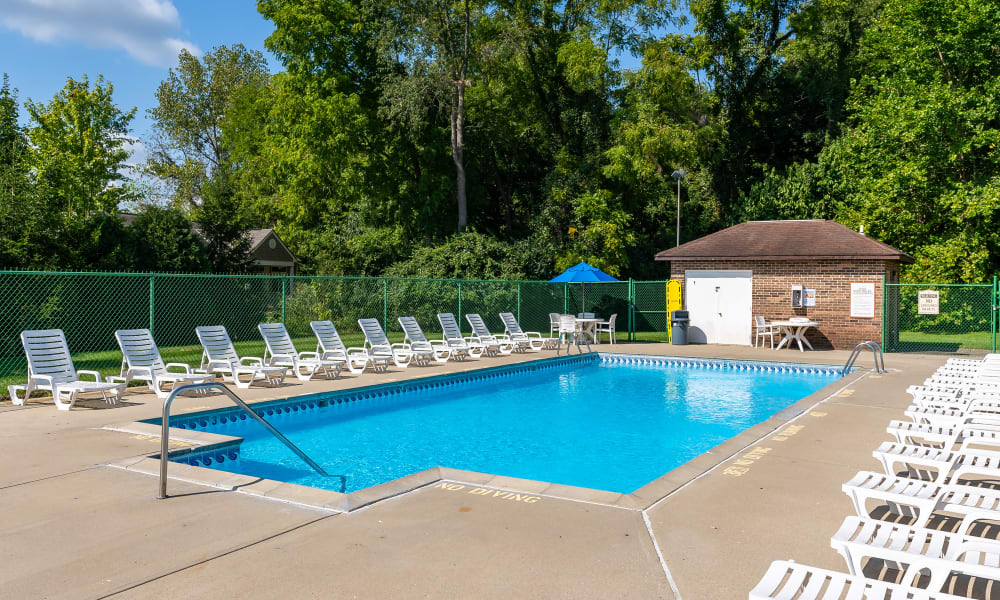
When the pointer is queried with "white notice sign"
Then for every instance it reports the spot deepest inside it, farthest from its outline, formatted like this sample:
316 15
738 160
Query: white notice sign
863 300
928 302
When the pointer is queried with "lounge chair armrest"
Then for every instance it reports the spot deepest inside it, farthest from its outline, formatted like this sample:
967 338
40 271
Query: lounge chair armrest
533 334
255 361
285 357
401 346
332 355
313 355
131 373
186 367
45 378
356 350
95 374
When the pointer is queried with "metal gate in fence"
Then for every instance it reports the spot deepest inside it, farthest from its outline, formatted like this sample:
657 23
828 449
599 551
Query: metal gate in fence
956 317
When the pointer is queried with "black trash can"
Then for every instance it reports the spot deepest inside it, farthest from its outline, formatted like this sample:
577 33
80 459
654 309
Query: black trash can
679 327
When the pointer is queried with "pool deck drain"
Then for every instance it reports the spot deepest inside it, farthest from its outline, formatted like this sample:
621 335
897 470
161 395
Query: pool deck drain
81 529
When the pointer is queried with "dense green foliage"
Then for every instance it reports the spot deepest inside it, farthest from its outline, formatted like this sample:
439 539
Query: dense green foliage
494 139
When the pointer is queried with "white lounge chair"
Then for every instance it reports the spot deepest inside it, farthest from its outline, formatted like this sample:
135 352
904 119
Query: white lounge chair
914 549
219 356
949 438
330 346
920 499
281 352
494 344
987 413
920 459
525 340
788 580
422 350
142 362
50 368
377 343
452 335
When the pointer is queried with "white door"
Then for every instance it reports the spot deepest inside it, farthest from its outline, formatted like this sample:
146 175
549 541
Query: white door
719 304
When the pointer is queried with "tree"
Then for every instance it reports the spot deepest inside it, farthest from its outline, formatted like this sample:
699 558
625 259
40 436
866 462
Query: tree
22 222
189 146
79 148
163 240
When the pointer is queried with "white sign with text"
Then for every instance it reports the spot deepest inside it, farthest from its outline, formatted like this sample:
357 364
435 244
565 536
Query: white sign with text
928 302
863 300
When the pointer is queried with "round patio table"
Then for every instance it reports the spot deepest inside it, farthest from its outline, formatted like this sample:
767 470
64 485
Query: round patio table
588 327
794 331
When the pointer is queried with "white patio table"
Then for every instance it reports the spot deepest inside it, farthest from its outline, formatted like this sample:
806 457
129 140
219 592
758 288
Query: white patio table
588 327
794 331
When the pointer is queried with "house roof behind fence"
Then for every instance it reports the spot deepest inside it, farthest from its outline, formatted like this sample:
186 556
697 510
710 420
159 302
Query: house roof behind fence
785 240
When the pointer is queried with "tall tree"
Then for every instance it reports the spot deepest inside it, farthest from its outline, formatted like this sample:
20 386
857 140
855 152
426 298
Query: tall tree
188 147
79 148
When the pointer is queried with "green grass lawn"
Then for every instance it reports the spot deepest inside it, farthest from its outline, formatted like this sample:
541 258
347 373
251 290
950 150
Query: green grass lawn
918 340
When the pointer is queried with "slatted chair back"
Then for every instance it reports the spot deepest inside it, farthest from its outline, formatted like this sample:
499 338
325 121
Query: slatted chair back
511 324
374 335
139 350
479 328
449 325
277 340
48 354
327 337
216 344
567 324
412 330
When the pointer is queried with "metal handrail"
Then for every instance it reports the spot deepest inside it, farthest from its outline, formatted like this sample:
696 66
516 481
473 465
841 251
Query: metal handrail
191 387
877 355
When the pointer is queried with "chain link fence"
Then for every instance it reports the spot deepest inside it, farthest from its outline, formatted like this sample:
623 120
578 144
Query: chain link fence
90 307
963 318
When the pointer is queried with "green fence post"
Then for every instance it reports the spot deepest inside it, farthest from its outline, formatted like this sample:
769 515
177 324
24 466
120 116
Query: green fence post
460 300
565 298
284 294
631 309
518 301
883 313
385 304
152 302
994 315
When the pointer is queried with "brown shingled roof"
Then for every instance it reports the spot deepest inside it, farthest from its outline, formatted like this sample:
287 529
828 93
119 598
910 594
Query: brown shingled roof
785 240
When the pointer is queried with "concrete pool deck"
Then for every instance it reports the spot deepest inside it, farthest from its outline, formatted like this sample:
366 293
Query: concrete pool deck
76 528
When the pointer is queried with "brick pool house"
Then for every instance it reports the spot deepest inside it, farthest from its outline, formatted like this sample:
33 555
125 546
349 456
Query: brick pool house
817 269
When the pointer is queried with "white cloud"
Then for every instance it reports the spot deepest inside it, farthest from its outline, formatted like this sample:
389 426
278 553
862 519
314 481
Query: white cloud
146 29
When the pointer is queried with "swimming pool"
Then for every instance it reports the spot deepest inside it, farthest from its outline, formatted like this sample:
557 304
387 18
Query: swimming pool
608 422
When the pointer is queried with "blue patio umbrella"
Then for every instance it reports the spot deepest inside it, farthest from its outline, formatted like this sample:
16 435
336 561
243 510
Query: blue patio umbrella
582 273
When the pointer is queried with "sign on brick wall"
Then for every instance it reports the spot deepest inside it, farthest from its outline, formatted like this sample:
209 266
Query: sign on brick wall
863 300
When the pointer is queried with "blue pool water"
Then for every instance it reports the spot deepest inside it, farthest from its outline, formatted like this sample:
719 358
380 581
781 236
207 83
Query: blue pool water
605 425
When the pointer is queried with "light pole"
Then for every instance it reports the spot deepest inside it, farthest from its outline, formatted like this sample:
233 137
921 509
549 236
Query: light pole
678 175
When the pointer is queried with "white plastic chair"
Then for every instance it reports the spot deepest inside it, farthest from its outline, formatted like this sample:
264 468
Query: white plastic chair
570 330
330 346
452 335
607 327
422 350
553 324
492 343
219 356
281 352
378 344
787 579
918 549
525 340
51 368
142 362
762 330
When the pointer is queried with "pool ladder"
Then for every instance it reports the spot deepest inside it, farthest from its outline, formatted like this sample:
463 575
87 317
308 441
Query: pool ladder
198 387
876 353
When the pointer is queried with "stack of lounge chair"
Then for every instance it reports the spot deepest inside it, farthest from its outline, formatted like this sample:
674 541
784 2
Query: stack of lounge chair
50 366
950 448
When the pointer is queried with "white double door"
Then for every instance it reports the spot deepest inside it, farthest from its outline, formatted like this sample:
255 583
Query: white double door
720 305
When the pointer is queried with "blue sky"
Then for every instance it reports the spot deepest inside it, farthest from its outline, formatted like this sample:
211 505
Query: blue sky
132 43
